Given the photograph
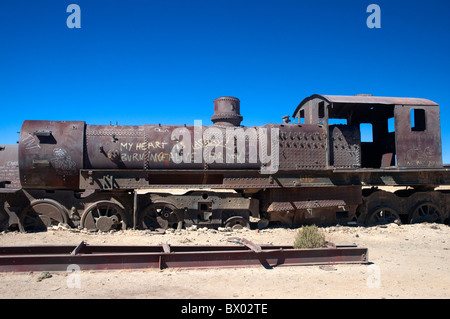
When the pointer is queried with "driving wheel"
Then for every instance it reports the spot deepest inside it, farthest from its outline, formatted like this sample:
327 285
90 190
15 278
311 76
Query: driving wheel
41 214
161 215
383 215
104 216
426 212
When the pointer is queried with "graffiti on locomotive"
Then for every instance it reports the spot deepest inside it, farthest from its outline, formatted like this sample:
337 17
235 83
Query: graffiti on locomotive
229 145
209 145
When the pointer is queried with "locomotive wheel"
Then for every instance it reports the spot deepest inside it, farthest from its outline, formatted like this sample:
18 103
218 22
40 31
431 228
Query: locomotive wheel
104 216
382 215
41 214
237 222
426 212
380 207
161 215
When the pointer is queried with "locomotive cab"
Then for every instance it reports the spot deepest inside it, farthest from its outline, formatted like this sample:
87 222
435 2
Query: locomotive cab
376 132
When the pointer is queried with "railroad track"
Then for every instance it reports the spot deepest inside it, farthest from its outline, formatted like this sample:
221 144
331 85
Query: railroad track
104 257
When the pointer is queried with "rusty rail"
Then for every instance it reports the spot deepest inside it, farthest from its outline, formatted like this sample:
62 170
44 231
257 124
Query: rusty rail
98 257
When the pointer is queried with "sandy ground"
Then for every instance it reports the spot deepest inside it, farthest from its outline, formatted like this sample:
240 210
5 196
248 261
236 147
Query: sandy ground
407 261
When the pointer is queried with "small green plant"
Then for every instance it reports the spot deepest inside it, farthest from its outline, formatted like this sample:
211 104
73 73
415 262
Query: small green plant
309 237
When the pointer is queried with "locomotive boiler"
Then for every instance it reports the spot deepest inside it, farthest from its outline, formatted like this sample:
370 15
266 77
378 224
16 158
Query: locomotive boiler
315 168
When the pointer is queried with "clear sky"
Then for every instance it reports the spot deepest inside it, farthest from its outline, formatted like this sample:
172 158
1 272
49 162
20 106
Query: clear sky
165 61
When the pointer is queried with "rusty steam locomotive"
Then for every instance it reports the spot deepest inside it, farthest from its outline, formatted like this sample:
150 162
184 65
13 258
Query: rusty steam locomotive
317 168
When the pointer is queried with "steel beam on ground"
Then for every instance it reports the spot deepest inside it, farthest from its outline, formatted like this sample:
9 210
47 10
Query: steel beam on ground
94 257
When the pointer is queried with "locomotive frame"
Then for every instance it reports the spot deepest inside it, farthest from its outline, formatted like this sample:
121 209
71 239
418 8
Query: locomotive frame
82 175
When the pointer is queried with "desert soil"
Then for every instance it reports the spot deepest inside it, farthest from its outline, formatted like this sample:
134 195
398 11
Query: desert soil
406 261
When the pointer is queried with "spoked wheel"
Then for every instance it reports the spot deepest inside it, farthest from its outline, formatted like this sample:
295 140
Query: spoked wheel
237 222
41 214
426 212
383 216
104 216
161 215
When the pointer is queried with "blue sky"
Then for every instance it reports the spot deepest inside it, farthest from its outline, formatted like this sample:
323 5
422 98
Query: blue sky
165 61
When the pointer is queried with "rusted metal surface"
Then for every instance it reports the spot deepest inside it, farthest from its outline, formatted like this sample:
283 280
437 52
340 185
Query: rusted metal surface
418 145
302 147
91 257
203 208
414 141
51 154
114 147
9 168
313 197
318 205
9 185
227 111
43 213
141 179
152 147
369 99
88 175
366 99
345 146
405 207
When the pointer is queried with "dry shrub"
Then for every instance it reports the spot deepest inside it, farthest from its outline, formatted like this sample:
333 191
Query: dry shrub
309 237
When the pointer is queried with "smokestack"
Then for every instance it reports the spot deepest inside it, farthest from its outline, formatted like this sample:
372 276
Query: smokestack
227 111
